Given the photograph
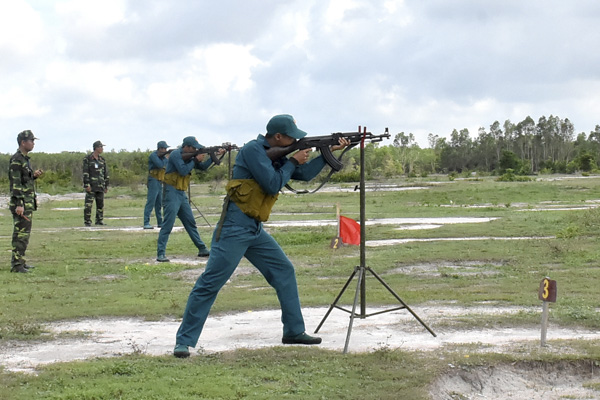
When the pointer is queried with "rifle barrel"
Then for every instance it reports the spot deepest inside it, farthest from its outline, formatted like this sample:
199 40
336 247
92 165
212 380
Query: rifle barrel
275 153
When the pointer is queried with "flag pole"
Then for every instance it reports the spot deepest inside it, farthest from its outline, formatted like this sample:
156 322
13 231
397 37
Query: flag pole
337 216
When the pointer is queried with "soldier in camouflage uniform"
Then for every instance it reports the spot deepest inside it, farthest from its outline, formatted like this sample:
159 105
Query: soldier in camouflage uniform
95 183
22 199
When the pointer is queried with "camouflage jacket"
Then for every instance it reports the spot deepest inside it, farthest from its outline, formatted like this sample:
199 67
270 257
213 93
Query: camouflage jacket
95 173
22 185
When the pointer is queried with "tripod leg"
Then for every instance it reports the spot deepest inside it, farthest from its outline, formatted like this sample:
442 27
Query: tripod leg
336 299
400 300
200 212
361 276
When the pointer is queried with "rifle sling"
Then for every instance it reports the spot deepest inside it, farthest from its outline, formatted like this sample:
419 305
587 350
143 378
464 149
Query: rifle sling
331 172
222 218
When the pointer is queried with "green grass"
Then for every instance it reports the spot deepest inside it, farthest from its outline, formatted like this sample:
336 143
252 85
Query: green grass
92 273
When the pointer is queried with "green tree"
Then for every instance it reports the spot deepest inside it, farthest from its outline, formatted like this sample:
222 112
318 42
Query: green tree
509 161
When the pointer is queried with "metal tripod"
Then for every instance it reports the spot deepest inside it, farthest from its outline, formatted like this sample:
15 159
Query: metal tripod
362 270
196 207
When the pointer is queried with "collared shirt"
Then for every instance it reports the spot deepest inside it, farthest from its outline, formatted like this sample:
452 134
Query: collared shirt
95 173
157 162
22 186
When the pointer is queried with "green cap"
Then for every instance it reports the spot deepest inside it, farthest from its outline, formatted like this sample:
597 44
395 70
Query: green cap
191 141
97 144
25 135
286 125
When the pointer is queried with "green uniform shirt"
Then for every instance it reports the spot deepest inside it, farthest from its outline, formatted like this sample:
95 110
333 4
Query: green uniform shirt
95 173
22 185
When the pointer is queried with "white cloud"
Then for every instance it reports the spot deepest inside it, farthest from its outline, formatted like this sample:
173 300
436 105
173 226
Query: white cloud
94 81
208 76
83 70
18 103
21 27
90 15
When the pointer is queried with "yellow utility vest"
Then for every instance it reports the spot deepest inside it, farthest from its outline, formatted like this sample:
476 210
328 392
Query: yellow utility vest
177 181
251 199
158 174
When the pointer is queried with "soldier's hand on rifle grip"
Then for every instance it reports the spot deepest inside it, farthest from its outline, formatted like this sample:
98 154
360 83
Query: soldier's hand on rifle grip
200 157
302 156
343 142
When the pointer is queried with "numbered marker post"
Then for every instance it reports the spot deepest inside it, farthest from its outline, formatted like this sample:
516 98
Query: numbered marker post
336 243
547 294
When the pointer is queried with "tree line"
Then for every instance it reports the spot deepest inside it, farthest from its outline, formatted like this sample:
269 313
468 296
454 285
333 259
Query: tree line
527 147
524 148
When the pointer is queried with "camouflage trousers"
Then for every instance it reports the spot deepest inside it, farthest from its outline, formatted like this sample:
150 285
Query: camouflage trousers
20 238
87 209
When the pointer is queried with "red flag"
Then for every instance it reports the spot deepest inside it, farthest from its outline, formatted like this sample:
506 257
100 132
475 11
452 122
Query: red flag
349 230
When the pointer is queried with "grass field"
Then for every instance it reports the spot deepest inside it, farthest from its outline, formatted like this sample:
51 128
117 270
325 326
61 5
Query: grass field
86 273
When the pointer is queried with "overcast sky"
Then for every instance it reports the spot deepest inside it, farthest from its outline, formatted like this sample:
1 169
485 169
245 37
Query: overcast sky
133 72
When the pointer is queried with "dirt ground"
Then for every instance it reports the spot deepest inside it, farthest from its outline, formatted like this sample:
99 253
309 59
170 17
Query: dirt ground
91 338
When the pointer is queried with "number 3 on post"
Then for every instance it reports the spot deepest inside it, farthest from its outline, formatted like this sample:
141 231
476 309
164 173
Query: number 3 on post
547 290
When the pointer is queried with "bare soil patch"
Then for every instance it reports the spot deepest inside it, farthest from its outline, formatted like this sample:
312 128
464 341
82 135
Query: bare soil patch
520 381
108 337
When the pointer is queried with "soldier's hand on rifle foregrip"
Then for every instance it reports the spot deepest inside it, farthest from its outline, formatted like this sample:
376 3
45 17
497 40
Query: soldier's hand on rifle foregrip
343 142
302 156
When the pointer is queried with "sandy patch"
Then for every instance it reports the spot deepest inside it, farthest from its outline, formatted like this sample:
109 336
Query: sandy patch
384 221
520 381
390 242
256 329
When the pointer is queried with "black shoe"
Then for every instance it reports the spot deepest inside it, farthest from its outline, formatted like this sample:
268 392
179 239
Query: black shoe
100 223
302 338
20 269
204 253
181 351
87 223
162 258
29 267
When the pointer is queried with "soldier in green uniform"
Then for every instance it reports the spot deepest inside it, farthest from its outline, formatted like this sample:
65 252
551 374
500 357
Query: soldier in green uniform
22 199
95 183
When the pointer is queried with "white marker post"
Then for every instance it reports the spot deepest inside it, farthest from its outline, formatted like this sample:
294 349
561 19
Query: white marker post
547 294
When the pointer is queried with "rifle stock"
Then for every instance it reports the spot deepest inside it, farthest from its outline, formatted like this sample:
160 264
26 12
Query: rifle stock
324 143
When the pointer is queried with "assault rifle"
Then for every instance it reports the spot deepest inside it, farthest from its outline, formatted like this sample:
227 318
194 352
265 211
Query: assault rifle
323 142
229 147
164 153
212 151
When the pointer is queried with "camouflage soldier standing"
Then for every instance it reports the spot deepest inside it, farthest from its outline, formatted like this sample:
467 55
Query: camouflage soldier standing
22 199
95 183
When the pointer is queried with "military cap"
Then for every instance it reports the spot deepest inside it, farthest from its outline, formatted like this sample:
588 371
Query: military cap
25 135
191 141
286 125
162 145
97 144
